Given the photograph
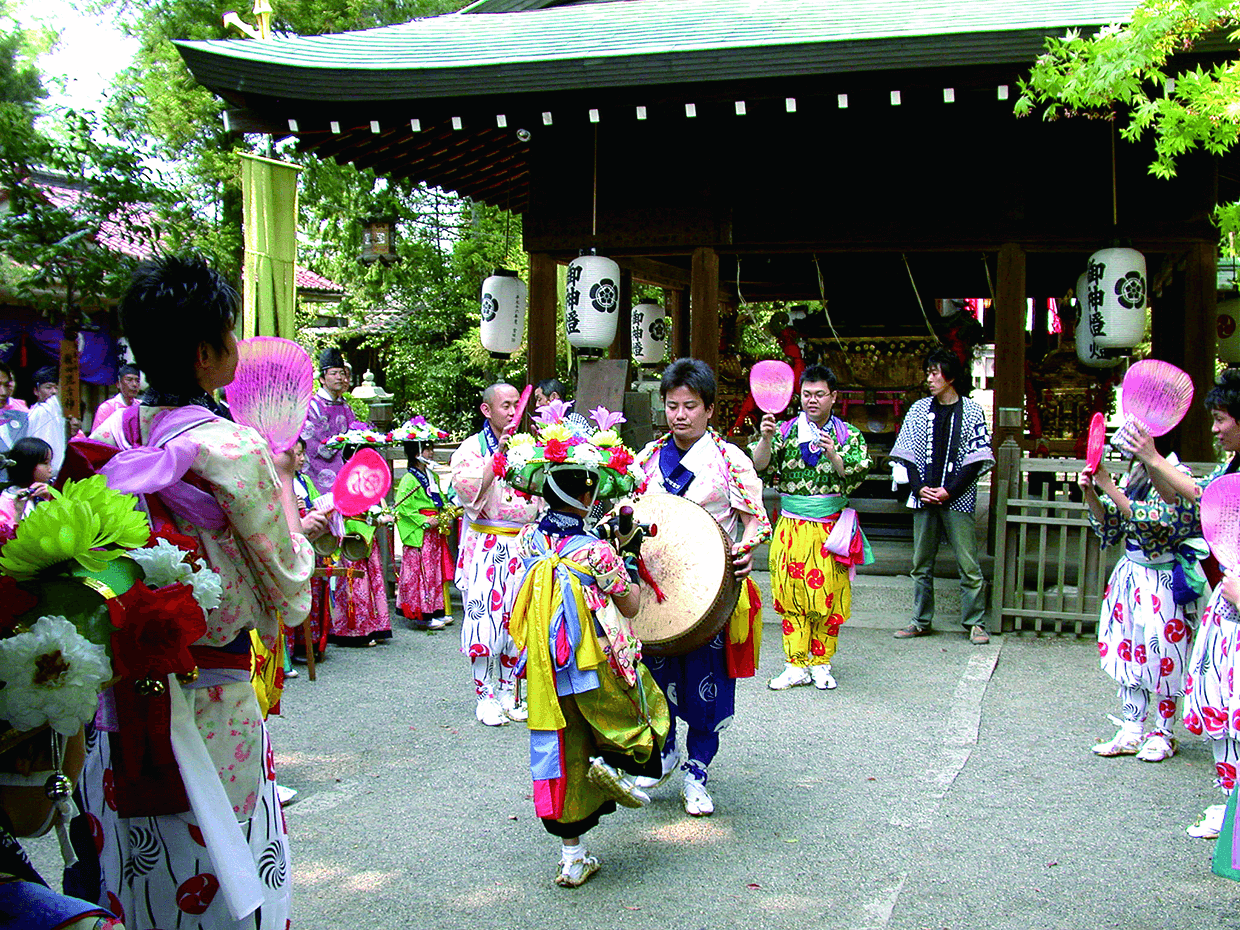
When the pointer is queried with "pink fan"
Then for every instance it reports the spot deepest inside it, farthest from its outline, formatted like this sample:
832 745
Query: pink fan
1220 519
362 482
1158 394
522 403
1095 443
771 383
272 388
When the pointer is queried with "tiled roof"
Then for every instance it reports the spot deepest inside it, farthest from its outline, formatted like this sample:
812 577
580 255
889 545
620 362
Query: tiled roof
308 280
632 42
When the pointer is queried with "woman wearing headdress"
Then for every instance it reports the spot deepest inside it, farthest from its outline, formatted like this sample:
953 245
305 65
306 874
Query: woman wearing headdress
425 563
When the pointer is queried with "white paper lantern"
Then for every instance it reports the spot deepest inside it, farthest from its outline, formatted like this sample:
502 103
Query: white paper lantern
1227 325
504 296
1087 350
649 334
1116 298
591 302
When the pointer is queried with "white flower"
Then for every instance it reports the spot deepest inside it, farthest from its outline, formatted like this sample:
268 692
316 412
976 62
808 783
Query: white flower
162 564
51 674
208 589
520 456
586 454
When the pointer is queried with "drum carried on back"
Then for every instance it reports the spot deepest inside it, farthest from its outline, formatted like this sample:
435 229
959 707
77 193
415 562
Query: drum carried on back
690 559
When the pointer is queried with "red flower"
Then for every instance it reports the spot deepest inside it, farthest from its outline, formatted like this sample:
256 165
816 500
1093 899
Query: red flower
817 648
14 601
815 579
195 894
788 627
1136 596
512 565
1166 708
1124 650
830 600
1235 720
620 459
1166 665
556 450
1175 630
779 608
491 573
478 650
499 464
155 629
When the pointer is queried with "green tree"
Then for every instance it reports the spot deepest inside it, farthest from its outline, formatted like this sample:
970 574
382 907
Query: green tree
1123 72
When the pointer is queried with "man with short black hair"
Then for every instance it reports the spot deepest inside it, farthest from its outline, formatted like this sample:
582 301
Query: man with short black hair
330 414
944 446
47 419
128 383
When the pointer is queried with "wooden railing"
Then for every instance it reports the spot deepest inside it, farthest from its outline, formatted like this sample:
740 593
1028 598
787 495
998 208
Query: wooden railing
1050 569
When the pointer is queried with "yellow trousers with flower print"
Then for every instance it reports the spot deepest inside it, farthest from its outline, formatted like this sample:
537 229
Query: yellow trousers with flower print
812 592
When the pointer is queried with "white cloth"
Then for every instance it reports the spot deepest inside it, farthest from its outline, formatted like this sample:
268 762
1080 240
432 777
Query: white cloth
47 422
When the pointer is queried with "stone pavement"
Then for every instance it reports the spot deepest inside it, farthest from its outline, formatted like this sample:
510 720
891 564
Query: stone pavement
941 786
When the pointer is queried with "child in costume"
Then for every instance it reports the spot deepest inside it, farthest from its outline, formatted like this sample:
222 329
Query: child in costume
425 563
597 718
28 479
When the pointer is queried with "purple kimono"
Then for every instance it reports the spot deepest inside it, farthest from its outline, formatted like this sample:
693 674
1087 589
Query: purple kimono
327 418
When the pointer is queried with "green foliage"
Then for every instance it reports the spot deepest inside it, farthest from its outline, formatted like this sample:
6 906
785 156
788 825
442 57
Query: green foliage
1124 70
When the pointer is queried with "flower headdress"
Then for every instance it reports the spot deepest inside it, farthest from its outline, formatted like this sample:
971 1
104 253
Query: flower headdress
416 429
89 597
560 441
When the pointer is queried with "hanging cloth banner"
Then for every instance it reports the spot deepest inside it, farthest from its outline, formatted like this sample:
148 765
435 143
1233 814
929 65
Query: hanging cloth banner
269 290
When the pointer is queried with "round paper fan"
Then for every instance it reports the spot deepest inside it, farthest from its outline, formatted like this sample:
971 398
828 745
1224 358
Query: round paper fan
771 383
1158 394
362 482
272 388
1095 443
1220 519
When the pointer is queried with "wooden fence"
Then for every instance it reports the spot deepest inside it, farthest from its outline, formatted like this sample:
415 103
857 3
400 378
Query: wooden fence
1050 569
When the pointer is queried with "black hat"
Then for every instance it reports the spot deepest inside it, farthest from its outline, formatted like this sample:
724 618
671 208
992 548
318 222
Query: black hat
47 375
127 370
331 358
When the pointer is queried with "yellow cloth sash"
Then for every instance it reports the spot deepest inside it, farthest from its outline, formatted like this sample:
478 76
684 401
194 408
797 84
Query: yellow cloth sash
738 623
494 530
538 601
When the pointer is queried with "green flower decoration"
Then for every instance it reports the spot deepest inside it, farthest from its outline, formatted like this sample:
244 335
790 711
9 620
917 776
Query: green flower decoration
87 522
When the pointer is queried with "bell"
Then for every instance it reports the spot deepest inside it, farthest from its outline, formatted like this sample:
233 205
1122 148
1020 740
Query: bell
326 545
149 687
58 787
188 678
354 547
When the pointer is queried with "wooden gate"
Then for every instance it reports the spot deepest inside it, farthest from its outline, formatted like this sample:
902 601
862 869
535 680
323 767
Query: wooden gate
1050 569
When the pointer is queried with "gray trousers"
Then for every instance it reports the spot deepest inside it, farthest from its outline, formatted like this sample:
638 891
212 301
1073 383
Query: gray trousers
960 529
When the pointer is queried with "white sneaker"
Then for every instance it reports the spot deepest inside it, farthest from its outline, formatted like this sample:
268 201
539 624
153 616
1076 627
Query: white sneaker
1124 743
286 795
490 712
671 762
697 799
792 676
619 786
1157 748
823 679
518 712
1209 824
576 873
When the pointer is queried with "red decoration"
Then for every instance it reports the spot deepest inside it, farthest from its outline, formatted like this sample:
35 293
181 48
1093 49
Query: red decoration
196 894
157 627
499 464
620 459
14 601
556 450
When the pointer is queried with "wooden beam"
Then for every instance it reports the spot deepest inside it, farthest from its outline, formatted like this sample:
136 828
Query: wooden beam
1009 383
542 319
652 271
676 305
704 306
1183 328
622 345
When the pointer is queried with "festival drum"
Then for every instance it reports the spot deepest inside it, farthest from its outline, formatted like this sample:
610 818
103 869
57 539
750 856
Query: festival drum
690 559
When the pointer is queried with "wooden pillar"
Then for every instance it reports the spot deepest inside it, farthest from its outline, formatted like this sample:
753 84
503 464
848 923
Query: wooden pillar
1183 329
1009 383
704 307
622 345
543 319
676 304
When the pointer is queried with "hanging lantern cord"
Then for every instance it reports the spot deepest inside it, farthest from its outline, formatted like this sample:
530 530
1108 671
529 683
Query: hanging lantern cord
739 296
920 305
594 204
1114 183
822 294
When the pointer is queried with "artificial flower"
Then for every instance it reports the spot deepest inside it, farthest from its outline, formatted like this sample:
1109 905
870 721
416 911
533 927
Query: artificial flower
555 451
605 418
587 454
162 564
522 455
555 431
88 522
520 439
208 588
52 674
499 464
14 601
606 437
553 411
155 630
620 459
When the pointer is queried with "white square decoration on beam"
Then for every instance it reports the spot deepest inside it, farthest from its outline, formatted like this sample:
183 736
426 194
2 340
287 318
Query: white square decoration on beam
949 95
415 125
841 101
895 98
690 110
374 126
546 118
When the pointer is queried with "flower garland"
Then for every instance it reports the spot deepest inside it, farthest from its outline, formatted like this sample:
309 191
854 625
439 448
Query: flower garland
734 476
561 440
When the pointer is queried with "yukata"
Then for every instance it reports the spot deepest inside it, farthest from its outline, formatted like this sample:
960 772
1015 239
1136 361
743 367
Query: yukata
1149 605
109 407
328 417
320 589
1212 701
701 685
947 446
359 612
156 871
487 566
425 564
46 421
588 692
817 543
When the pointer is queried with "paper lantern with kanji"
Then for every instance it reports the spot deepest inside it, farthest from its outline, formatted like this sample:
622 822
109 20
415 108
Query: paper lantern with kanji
504 297
591 302
1227 325
1087 350
1116 297
650 331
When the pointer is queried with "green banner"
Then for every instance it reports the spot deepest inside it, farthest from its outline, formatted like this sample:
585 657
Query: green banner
269 288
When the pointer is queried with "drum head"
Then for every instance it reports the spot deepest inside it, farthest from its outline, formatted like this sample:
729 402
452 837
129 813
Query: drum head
691 561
